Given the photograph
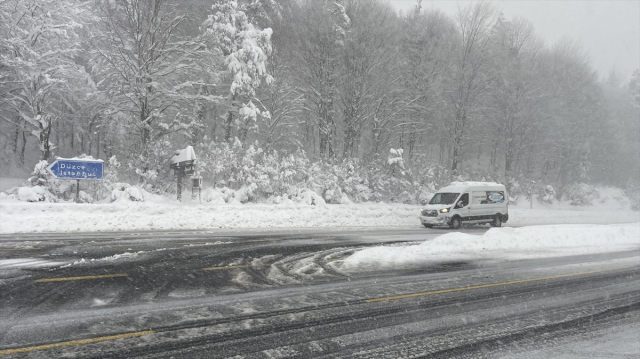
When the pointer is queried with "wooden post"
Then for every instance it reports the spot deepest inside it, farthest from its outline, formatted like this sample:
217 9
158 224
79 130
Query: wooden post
77 191
179 184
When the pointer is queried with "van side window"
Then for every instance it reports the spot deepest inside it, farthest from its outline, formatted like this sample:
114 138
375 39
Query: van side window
464 199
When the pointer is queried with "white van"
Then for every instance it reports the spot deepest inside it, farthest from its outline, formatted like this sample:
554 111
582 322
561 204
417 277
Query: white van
468 202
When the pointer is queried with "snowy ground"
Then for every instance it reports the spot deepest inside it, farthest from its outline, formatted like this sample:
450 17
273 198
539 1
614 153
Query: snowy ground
159 213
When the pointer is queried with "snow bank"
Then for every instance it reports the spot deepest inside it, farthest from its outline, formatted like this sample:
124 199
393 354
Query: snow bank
151 215
505 243
305 209
158 214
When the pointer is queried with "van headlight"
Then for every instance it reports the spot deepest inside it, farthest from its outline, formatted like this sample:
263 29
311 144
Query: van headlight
445 210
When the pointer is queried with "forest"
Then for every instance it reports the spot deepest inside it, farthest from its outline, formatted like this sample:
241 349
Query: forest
346 98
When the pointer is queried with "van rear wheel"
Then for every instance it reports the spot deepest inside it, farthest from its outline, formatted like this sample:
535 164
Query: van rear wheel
497 221
428 225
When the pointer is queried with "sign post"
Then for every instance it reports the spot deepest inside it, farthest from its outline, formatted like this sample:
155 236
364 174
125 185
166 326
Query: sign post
196 183
77 169
183 163
530 193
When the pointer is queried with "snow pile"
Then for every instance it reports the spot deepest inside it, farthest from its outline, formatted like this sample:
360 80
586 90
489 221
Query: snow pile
187 154
126 192
505 243
35 194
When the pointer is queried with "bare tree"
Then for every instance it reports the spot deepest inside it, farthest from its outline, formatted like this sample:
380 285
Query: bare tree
39 45
428 45
476 24
368 67
515 93
145 72
321 27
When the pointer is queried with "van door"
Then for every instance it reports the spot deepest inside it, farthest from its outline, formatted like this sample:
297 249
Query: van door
479 204
464 211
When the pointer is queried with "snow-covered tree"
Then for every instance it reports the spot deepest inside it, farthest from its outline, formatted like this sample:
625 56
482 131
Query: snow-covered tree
321 29
150 77
246 49
40 41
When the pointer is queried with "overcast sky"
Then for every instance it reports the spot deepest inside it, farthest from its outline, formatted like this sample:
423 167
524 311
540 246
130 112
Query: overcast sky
608 30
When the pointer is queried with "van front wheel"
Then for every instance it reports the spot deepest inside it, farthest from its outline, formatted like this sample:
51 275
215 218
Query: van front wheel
455 222
497 221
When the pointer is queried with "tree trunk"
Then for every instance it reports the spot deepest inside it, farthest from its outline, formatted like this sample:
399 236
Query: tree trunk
228 124
45 132
458 140
22 148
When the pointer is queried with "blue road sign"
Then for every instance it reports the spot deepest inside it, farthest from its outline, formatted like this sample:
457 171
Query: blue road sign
83 169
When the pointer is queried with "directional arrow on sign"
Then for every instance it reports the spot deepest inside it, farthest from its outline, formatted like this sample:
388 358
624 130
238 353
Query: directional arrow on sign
84 169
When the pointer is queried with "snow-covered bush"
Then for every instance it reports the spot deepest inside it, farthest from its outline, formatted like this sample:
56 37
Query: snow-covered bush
40 176
428 179
395 160
110 178
580 194
85 197
387 188
150 169
251 172
546 194
632 191
36 194
217 195
126 192
307 196
353 181
323 181
44 187
514 190
339 183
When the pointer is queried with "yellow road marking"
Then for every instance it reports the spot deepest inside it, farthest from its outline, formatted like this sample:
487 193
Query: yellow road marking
238 266
18 249
76 342
84 277
266 240
487 285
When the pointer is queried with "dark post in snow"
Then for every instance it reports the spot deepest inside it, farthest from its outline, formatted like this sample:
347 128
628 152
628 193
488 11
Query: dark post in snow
196 183
179 191
530 193
78 191
183 163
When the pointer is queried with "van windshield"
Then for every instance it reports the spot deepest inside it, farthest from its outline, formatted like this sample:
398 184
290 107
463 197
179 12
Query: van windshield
444 198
